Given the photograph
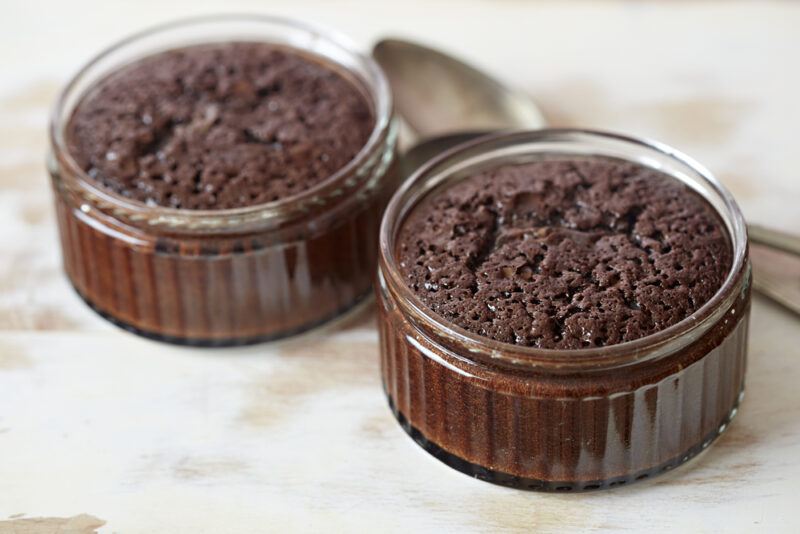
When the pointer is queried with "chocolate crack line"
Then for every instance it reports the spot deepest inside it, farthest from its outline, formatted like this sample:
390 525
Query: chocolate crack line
500 236
490 246
584 179
161 138
503 236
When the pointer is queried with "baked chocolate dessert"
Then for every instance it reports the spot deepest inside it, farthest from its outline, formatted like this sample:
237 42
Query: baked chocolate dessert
219 126
565 254
223 192
562 322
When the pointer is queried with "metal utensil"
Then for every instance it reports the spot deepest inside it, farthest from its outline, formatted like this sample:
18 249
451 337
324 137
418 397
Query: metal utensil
437 94
445 102
776 265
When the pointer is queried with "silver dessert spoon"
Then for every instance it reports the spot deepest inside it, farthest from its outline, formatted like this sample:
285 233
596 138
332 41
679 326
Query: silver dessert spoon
437 94
444 102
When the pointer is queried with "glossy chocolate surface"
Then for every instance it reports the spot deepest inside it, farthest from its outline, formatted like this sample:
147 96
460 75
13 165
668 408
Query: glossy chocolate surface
582 431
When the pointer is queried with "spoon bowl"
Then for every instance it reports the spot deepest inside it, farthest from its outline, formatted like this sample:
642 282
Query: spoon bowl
437 94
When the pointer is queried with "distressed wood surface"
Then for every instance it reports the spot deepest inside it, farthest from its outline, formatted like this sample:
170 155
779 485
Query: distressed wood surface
103 431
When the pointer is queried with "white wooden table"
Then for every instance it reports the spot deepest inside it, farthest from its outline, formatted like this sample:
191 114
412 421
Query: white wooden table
102 430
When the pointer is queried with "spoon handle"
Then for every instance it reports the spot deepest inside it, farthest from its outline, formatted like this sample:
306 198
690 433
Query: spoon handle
775 239
776 265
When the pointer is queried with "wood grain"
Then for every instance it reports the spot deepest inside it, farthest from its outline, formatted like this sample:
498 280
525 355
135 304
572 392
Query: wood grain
79 524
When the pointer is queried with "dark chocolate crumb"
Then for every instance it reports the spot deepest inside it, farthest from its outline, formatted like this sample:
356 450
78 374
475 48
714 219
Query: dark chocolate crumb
219 126
564 254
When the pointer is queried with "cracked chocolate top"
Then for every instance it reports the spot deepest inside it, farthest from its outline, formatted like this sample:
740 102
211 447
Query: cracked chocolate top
564 254
219 126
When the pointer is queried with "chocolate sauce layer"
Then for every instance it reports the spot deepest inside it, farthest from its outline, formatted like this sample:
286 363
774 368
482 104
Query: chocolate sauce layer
564 254
219 126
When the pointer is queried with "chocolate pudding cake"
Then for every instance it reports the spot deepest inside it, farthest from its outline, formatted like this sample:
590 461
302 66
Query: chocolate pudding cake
564 254
223 192
219 126
555 321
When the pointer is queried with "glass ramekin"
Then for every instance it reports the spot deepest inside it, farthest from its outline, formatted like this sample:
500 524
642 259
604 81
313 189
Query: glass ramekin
562 420
233 276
